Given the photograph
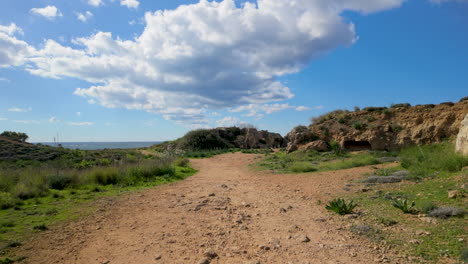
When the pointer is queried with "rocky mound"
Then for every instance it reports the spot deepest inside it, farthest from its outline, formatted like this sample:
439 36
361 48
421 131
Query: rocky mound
381 128
12 150
223 138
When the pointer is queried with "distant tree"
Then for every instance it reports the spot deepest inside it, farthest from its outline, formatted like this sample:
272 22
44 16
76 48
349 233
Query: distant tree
16 136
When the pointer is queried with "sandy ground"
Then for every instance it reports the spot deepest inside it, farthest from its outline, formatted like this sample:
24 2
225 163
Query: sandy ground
226 213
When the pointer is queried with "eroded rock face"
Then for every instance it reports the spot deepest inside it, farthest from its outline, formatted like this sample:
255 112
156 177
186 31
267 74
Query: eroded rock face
250 138
299 136
387 129
462 138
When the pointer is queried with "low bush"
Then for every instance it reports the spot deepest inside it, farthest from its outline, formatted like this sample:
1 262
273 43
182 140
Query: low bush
203 139
26 191
400 105
374 109
335 115
340 206
426 207
104 176
59 181
446 212
299 167
383 179
423 161
41 227
387 221
182 162
7 201
359 126
367 231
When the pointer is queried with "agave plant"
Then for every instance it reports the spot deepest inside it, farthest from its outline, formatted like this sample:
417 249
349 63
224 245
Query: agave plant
341 207
404 205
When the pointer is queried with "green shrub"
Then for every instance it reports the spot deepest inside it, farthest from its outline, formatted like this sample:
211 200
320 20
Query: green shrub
59 181
299 167
426 207
400 105
7 201
387 221
104 176
26 191
359 126
337 114
374 109
340 206
423 161
6 261
203 139
395 128
462 100
404 206
182 162
41 227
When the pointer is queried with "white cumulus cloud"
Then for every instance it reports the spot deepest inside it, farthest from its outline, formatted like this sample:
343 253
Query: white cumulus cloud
130 3
201 57
83 17
49 12
95 2
11 29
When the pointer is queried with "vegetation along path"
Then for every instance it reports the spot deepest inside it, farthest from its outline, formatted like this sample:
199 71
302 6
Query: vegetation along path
226 213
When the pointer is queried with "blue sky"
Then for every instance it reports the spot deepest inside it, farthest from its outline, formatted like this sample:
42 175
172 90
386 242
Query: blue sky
119 70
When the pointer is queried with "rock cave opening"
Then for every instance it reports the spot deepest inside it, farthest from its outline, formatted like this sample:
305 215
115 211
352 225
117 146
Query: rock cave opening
357 145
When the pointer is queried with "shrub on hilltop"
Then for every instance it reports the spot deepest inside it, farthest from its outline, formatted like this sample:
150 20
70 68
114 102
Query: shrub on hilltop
15 136
203 139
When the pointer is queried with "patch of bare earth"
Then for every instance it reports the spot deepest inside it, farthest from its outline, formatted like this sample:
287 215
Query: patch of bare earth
226 213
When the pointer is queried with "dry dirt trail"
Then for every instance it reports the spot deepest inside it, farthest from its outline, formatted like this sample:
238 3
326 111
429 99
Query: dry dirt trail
239 215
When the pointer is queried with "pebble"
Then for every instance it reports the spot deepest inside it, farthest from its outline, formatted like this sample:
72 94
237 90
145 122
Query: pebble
210 253
304 239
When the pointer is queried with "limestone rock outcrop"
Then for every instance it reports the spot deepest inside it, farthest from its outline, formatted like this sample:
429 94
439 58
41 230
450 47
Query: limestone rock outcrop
461 144
381 128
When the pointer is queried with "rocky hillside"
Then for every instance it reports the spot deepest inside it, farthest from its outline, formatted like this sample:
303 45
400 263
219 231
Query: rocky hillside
223 138
381 128
15 150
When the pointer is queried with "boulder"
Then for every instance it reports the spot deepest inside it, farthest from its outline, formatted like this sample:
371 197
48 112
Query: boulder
462 138
298 136
318 145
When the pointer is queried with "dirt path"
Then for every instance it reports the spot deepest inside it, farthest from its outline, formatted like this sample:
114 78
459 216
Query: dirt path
242 216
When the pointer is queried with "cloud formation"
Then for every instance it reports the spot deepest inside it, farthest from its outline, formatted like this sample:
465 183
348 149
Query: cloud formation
130 3
20 110
83 17
27 122
201 57
95 3
49 12
228 121
81 123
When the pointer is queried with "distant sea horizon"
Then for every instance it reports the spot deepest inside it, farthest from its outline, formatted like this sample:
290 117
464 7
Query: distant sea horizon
102 145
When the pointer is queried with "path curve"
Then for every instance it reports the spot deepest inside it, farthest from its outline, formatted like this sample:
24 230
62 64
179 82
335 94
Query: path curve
240 215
